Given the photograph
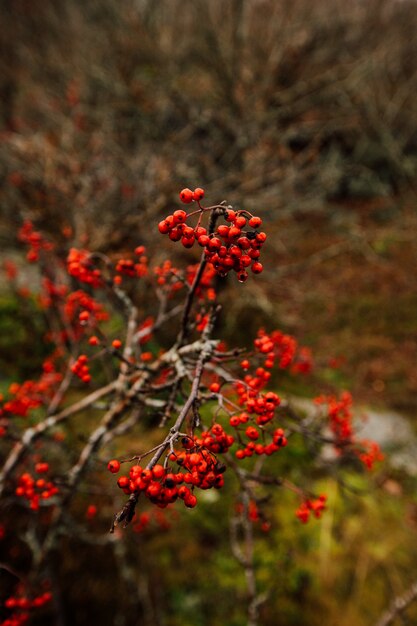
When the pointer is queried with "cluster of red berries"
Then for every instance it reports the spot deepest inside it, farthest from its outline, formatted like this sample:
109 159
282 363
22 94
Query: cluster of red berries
262 405
278 441
36 489
31 394
79 266
127 267
80 368
80 308
232 247
229 248
339 413
34 240
370 454
316 507
21 606
198 465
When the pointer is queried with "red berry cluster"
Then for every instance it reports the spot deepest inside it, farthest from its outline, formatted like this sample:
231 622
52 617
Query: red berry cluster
36 489
198 467
34 240
370 454
230 248
127 267
31 394
340 414
80 307
261 405
79 266
21 606
278 441
80 368
311 506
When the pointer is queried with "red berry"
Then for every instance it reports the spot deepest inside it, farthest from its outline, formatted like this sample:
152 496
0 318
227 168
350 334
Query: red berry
164 227
158 471
203 240
123 482
186 196
223 230
175 234
215 387
180 216
257 267
187 242
255 222
252 433
240 221
113 466
116 343
200 230
190 501
198 194
214 243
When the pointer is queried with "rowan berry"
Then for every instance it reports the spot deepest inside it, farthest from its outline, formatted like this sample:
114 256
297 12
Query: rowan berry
158 471
252 433
123 482
175 234
91 512
190 501
198 194
203 240
179 216
186 196
255 222
214 387
113 466
41 468
257 267
117 344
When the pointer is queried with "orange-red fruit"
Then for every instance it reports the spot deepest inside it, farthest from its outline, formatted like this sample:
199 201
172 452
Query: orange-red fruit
164 227
41 468
255 222
190 501
113 466
186 196
257 267
252 433
116 343
180 216
158 471
198 194
215 387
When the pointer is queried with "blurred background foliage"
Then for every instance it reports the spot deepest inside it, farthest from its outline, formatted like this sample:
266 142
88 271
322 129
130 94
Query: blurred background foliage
304 112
